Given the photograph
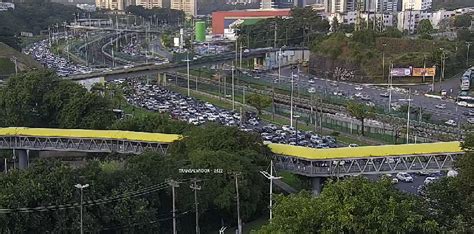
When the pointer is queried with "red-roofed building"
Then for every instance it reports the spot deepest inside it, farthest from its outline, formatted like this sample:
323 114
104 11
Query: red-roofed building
222 19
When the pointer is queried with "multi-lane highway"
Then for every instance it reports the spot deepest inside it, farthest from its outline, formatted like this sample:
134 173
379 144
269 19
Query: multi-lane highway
440 109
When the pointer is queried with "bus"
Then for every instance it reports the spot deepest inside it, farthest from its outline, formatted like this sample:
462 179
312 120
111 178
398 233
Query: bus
466 101
466 79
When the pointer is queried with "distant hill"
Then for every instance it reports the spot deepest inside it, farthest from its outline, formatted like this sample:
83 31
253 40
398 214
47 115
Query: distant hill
452 4
7 67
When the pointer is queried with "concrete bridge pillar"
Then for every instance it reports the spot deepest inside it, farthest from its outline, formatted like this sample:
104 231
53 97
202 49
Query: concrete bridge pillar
23 158
316 184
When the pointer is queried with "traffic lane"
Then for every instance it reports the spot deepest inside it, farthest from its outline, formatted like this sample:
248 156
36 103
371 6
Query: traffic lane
418 100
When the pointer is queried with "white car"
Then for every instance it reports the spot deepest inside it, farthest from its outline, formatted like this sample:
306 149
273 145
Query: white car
358 88
353 145
405 177
311 81
311 90
441 106
384 95
430 179
358 95
470 120
393 180
451 122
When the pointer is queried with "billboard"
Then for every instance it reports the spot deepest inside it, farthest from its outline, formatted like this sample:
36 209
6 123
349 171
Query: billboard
400 72
429 71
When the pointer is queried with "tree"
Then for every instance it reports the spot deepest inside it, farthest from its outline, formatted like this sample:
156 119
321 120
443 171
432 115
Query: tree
258 101
335 24
462 21
424 27
353 205
360 111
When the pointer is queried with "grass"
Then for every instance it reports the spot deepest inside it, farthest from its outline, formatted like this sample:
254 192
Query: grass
24 61
7 67
292 180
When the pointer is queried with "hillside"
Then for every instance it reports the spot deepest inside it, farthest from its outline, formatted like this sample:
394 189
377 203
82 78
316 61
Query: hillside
7 67
452 4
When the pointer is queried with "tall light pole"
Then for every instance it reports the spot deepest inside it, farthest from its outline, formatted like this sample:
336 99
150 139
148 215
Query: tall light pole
187 68
383 60
196 187
408 114
443 60
271 178
233 87
468 44
81 187
174 184
296 128
239 221
291 100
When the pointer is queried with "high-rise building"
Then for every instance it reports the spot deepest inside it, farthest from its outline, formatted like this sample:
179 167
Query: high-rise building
416 5
339 6
117 5
267 4
150 3
188 6
342 6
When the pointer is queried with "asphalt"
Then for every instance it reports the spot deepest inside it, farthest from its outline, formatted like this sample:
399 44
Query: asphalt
452 110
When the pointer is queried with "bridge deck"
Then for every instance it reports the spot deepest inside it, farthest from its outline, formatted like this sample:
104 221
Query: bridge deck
366 151
97 134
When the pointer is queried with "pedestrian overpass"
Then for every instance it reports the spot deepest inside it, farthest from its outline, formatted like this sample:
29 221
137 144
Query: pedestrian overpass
310 162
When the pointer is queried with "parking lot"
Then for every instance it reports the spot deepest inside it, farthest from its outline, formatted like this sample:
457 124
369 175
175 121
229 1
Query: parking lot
192 111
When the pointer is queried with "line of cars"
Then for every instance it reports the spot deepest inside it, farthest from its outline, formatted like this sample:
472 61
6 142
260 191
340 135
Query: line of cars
41 52
192 111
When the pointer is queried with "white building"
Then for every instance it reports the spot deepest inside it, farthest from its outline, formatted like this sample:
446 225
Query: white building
408 20
110 4
267 4
4 6
416 5
344 6
86 7
188 6
350 18
149 4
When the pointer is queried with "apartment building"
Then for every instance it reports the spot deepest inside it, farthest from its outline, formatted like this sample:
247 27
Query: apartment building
188 6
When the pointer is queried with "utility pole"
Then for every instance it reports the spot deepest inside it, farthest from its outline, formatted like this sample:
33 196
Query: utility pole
383 60
468 44
291 100
81 187
14 60
390 87
275 36
443 60
271 178
196 187
174 184
239 221
187 68
240 62
233 87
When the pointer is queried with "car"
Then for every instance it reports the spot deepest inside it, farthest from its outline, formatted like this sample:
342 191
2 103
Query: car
311 81
392 179
470 120
365 98
429 179
358 95
353 145
358 88
468 113
451 122
441 106
386 94
452 173
311 90
404 177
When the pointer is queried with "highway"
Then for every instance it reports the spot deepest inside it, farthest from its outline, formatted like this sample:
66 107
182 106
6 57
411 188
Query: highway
451 111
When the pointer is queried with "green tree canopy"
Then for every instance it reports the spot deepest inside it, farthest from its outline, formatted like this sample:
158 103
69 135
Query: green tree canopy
424 27
462 21
360 111
258 101
353 205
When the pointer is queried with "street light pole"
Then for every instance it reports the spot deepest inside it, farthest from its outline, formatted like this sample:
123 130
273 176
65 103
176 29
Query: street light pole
467 55
383 61
187 68
233 88
271 178
291 100
296 129
81 187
